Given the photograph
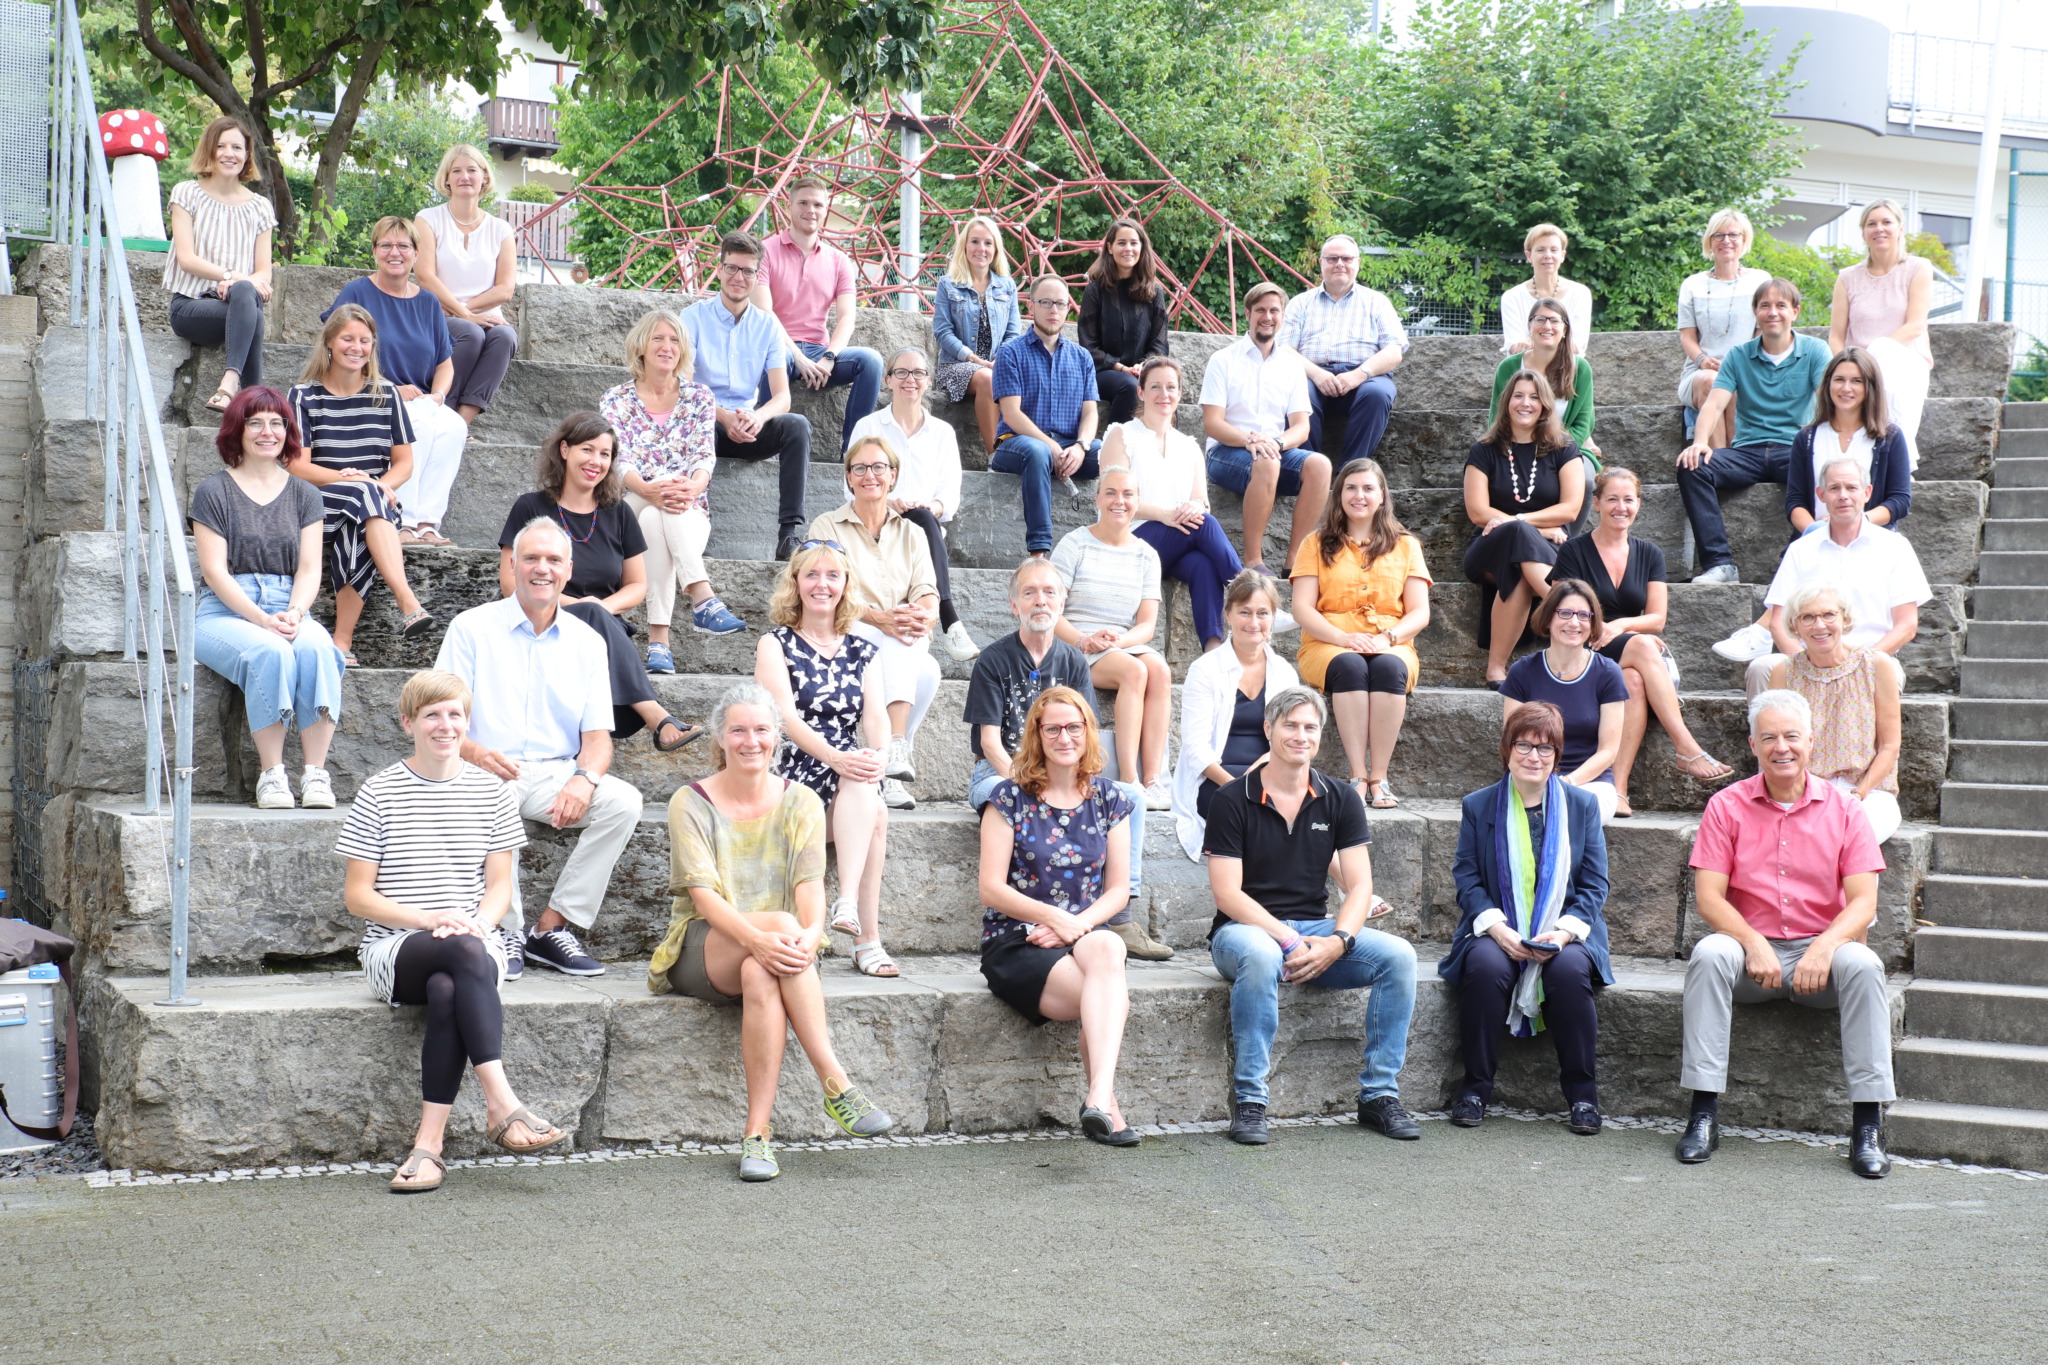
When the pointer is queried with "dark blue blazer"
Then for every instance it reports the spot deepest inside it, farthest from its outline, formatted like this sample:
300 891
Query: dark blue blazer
1479 876
1891 475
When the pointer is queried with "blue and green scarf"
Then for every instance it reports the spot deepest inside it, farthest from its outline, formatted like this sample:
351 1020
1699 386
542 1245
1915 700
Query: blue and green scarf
1535 885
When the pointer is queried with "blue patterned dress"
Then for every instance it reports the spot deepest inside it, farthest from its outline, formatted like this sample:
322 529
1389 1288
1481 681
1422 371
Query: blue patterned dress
1059 855
829 698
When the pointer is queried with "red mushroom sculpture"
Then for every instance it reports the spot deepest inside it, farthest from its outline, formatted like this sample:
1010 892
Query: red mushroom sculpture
134 141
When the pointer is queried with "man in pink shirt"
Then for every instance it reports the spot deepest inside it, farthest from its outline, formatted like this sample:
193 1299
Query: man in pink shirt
802 276
1785 874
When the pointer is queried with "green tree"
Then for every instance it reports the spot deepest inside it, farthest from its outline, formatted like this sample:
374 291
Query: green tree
389 170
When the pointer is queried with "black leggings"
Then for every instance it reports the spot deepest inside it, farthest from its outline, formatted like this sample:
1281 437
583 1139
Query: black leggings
929 524
1366 673
458 983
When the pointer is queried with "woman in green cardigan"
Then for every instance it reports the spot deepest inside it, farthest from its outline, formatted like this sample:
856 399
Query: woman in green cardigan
1551 354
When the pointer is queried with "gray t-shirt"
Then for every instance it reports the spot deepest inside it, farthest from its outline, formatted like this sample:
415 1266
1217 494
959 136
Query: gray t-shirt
262 538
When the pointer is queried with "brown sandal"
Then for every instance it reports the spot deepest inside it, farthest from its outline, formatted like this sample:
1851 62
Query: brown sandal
535 1124
220 400
412 1176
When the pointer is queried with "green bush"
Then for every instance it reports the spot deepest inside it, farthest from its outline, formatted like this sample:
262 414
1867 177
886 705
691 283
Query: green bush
2030 376
1812 268
533 192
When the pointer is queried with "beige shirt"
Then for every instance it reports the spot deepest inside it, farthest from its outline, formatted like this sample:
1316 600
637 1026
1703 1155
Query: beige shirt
891 570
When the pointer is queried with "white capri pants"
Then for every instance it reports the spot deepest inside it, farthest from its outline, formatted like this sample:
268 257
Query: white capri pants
439 435
909 672
1906 378
1609 799
1881 808
675 553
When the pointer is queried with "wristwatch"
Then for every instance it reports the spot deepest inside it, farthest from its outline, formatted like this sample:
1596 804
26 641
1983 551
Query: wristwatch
1349 940
587 776
828 356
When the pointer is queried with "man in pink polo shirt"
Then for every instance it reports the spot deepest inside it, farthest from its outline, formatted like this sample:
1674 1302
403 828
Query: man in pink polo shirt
1785 874
802 276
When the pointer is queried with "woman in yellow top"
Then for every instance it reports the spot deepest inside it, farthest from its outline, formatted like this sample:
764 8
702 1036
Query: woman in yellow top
1361 593
747 870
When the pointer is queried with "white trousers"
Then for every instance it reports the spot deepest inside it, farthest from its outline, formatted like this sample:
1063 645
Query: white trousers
438 436
1881 808
1906 378
909 672
675 553
607 826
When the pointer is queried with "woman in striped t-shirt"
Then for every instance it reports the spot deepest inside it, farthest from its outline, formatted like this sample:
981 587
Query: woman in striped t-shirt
430 843
358 452
218 274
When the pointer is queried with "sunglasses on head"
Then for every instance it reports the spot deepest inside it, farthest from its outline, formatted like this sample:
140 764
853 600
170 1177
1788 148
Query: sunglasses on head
821 544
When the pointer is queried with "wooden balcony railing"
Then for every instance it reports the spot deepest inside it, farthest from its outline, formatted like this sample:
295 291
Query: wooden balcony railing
521 126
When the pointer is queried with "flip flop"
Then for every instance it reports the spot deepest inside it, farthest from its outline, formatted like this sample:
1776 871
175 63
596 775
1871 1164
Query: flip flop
1383 797
1685 765
690 734
535 1124
412 1176
220 400
417 623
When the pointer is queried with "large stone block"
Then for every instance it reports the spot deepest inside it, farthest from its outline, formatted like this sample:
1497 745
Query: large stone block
1971 360
300 295
46 273
578 325
64 366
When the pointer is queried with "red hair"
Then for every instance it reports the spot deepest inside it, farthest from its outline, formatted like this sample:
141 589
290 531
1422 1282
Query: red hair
254 399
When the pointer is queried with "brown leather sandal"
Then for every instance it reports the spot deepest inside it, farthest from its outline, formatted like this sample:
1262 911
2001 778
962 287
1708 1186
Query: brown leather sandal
413 1175
545 1134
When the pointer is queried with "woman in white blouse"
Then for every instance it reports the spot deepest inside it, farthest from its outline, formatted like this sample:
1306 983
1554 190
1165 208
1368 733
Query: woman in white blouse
1223 705
467 260
927 490
1715 316
1173 496
1544 245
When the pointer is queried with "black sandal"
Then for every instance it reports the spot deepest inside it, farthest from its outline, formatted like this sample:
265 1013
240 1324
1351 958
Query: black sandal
690 734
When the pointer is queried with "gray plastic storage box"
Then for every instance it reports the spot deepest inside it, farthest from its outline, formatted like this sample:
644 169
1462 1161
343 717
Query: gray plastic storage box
28 1054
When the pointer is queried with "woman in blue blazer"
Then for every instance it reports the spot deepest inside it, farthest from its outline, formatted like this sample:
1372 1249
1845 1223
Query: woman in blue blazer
974 311
1532 946
1850 421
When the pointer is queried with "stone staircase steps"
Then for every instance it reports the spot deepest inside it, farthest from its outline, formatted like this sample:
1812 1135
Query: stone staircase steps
2022 443
1991 852
1982 1134
1946 1071
1982 902
2012 718
1988 805
2025 416
2006 639
1978 1010
2013 568
2008 604
1998 760
2019 504
2007 678
2013 532
2023 471
2011 957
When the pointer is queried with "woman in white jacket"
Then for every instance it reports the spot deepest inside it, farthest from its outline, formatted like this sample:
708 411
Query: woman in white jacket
1223 701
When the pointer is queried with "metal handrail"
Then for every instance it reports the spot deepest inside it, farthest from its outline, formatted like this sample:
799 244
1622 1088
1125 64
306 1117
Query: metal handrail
141 497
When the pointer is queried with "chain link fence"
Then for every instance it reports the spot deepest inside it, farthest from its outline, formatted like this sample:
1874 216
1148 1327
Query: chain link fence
35 685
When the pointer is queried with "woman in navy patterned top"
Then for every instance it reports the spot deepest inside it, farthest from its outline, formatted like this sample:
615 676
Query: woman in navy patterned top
1055 867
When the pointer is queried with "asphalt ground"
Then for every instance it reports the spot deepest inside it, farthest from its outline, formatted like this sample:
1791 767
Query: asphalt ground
1515 1242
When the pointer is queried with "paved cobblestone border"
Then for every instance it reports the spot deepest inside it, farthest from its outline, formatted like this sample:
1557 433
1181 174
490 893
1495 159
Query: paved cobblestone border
127 1179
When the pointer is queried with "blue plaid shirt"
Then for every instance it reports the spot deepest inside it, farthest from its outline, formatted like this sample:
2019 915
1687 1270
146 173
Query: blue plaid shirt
1347 331
1050 385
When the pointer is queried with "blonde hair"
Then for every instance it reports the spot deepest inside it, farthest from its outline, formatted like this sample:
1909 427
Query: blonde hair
201 163
430 687
1027 769
785 606
1806 594
1722 222
1542 230
957 269
642 336
390 221
448 158
879 443
1898 211
321 358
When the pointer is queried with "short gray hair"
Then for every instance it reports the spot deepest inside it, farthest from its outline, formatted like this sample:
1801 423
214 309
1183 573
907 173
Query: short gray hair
1780 699
741 694
1282 703
1030 563
1804 596
1862 474
542 524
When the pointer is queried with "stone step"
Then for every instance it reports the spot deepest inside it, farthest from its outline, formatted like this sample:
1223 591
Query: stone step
1978 1010
1985 805
1978 1134
2008 678
2021 471
1998 760
2013 957
265 1076
1998 718
2025 416
1956 1071
2022 443
2016 533
1991 852
2013 568
2018 504
2006 639
2008 604
1983 902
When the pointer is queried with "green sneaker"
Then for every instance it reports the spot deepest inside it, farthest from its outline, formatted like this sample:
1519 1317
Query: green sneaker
757 1159
856 1113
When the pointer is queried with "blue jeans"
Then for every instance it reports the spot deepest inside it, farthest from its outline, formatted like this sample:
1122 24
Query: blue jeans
1729 469
281 679
1250 960
1030 459
1231 467
1364 411
858 369
981 785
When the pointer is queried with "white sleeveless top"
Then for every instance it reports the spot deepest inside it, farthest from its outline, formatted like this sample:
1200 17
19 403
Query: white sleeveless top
1170 472
467 270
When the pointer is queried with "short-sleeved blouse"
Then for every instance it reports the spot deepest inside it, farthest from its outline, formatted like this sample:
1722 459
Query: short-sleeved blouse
1579 700
1059 857
1511 486
1720 310
1106 584
755 866
222 234
1844 702
1358 597
412 333
655 448
1877 303
467 270
1580 558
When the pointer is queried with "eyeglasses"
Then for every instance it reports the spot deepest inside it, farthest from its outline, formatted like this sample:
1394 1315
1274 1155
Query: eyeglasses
739 272
1725 237
861 471
1075 730
1329 259
1546 320
822 545
1584 618
1525 749
919 375
396 246
1062 304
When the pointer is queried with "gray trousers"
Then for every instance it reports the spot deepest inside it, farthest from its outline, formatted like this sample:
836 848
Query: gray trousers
1715 983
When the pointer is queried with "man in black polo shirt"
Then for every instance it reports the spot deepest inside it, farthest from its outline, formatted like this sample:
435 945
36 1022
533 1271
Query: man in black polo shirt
1271 837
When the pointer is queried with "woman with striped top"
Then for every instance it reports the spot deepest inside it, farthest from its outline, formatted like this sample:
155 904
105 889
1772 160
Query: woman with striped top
218 274
430 843
358 452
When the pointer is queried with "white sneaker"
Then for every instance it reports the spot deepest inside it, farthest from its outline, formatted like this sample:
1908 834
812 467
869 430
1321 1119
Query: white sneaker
959 644
273 789
1750 643
898 762
896 796
1283 621
1158 796
316 790
1720 573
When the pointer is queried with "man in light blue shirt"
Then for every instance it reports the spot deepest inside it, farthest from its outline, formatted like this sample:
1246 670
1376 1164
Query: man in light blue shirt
738 349
1352 339
541 719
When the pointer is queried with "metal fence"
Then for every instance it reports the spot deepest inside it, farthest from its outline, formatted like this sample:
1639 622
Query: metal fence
25 87
35 684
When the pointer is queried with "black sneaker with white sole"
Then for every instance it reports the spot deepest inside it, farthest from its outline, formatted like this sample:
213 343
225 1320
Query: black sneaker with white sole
558 948
515 954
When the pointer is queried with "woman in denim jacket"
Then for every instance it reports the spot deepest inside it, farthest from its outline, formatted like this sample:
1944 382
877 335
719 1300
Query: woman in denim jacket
974 312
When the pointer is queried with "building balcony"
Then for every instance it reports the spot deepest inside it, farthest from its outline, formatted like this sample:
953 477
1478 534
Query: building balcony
521 127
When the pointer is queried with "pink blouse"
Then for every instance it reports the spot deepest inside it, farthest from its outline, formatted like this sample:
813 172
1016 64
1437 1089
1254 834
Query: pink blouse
1877 303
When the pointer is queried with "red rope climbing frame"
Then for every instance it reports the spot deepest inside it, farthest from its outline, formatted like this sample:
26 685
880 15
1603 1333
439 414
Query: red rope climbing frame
860 155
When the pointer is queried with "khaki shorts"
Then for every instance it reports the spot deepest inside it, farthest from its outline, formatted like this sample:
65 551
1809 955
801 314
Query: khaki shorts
688 976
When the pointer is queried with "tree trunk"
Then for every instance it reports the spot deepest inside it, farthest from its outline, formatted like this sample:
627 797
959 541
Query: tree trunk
270 165
335 145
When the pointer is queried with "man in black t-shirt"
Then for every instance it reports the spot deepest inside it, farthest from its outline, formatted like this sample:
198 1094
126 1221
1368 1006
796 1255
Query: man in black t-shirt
1271 837
1007 678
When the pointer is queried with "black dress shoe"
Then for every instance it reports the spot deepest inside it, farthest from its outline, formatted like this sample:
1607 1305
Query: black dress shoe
1095 1123
786 546
1248 1125
1866 1155
1585 1120
1468 1111
1383 1113
1702 1135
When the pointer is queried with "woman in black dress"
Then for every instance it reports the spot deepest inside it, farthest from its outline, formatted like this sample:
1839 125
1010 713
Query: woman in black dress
1524 483
580 490
834 727
1626 572
1123 316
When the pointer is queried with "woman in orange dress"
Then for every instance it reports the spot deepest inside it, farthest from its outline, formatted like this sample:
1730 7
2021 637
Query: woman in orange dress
1361 594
